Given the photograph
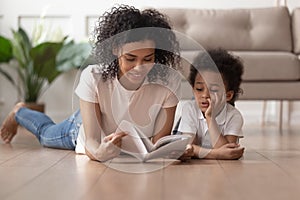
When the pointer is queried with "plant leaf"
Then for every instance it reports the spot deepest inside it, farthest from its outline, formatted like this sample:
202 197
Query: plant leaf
21 46
25 41
5 50
91 60
44 63
7 76
72 56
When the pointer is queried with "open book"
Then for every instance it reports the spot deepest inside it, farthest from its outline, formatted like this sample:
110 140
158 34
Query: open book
141 147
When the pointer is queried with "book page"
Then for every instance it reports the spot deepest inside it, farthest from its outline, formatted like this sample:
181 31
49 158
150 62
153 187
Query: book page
172 150
141 147
168 139
132 143
147 142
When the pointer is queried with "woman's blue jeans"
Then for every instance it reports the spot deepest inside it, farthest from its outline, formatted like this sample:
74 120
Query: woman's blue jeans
62 135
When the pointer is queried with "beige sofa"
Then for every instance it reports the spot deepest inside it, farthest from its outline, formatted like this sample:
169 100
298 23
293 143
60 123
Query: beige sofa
267 39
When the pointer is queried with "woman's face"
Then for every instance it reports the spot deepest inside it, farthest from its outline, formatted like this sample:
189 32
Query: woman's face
135 59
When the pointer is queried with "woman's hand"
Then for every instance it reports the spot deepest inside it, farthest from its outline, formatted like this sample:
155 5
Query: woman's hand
115 138
230 151
110 147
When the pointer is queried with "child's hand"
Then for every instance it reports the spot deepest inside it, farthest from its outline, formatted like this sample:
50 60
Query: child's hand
215 105
208 112
230 151
188 153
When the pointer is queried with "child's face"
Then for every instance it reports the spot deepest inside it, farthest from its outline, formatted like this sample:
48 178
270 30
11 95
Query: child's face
135 59
209 89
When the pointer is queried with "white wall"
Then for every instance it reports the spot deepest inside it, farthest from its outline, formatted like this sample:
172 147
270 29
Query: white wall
75 19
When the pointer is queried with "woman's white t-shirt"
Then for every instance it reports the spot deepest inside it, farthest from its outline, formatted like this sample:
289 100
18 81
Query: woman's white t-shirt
230 122
140 107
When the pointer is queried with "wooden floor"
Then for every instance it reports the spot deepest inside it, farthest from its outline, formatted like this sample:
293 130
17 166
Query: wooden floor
270 169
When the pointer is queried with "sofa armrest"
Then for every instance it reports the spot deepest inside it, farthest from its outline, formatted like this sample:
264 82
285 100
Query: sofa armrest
296 30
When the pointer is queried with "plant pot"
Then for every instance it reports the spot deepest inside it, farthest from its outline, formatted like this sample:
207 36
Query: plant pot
36 106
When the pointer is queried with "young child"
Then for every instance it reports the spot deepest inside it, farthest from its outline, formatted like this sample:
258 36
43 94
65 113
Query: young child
215 77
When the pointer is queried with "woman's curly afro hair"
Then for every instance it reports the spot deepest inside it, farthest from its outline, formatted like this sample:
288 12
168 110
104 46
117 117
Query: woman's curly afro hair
125 24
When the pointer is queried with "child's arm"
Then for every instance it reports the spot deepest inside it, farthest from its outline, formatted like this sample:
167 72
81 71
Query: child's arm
217 138
230 151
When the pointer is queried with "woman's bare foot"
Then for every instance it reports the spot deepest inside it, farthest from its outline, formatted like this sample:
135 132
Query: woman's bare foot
10 126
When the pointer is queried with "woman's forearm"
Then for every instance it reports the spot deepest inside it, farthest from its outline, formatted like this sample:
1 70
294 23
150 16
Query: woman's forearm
91 147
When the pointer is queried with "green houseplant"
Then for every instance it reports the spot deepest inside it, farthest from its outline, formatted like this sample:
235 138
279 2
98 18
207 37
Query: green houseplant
38 65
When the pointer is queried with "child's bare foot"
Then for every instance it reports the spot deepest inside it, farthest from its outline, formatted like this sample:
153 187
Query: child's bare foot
10 126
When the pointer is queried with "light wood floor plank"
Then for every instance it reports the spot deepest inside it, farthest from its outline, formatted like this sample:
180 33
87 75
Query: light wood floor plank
288 161
196 180
260 180
24 168
71 178
8 151
269 170
117 183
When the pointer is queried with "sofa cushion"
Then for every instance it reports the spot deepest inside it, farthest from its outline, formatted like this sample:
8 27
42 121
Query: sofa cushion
296 29
235 29
270 90
270 66
258 90
259 65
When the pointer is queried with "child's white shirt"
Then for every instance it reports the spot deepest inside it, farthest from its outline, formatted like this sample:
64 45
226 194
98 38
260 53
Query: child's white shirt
230 122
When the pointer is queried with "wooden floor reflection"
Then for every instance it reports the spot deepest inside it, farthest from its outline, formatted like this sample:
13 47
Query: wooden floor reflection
268 170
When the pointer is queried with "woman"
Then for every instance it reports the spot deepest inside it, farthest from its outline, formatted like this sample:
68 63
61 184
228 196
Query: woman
131 81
